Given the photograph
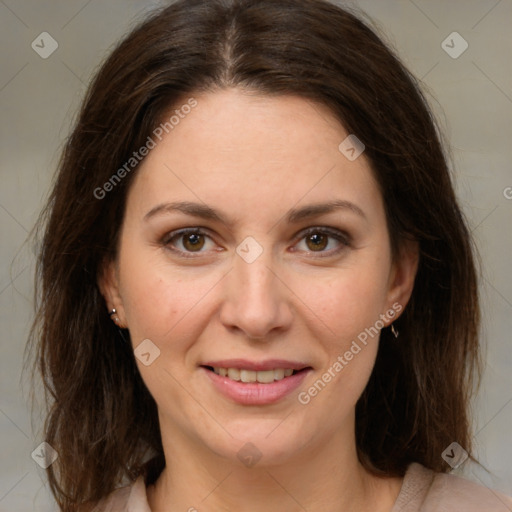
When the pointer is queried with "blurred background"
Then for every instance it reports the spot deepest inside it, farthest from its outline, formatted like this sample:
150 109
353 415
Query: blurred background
462 52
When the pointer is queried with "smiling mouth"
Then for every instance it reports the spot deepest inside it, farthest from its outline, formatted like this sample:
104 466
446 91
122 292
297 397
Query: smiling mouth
248 376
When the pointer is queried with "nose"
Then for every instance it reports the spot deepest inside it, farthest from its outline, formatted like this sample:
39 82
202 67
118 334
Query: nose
256 301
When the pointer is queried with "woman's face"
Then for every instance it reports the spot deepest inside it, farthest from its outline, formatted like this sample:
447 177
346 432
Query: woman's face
273 280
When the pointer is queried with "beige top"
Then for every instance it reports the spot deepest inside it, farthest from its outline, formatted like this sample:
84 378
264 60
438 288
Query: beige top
422 491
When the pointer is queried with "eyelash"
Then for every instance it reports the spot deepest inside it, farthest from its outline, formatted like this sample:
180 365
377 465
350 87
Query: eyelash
341 237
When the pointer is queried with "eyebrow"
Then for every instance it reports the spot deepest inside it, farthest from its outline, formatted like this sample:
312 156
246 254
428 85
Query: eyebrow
293 216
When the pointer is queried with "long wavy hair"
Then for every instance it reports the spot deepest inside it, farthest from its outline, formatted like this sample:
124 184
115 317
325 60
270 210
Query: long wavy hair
101 418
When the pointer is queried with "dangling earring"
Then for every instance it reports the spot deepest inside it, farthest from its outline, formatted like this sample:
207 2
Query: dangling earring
394 331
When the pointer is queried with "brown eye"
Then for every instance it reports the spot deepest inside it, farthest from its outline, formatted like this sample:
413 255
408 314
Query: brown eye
193 241
317 241
187 242
320 240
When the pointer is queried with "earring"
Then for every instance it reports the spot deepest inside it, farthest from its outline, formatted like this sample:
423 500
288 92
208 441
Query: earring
394 331
116 321
116 318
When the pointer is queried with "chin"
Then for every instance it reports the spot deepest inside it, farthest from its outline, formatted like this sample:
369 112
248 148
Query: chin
260 442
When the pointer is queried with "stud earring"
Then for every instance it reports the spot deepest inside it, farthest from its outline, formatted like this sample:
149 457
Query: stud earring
119 327
116 318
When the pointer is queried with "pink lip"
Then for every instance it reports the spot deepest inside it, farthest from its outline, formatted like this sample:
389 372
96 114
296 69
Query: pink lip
244 364
255 393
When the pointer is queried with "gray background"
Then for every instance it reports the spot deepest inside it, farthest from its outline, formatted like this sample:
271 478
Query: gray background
471 95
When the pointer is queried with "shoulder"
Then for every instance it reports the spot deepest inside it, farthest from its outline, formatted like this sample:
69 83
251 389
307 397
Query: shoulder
424 490
452 491
132 498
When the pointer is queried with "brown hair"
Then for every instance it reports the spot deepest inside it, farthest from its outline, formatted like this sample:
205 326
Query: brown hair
102 419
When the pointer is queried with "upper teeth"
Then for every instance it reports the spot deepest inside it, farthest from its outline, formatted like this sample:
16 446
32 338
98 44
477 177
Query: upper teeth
252 376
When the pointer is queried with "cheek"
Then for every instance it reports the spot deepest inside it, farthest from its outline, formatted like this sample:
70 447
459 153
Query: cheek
348 301
150 299
349 306
160 307
161 301
155 305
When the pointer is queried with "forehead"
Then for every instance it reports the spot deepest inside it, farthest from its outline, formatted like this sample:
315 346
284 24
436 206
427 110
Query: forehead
250 151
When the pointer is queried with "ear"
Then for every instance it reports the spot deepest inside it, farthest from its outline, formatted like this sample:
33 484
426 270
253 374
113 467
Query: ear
108 283
403 274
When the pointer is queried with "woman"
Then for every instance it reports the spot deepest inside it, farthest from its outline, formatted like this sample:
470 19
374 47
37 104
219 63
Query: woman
258 291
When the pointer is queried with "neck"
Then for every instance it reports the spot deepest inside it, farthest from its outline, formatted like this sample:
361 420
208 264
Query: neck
325 477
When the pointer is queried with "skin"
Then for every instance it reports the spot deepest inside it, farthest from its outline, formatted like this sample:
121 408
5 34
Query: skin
253 158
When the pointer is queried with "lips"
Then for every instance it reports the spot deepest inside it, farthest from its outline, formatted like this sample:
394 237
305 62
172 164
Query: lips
255 383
